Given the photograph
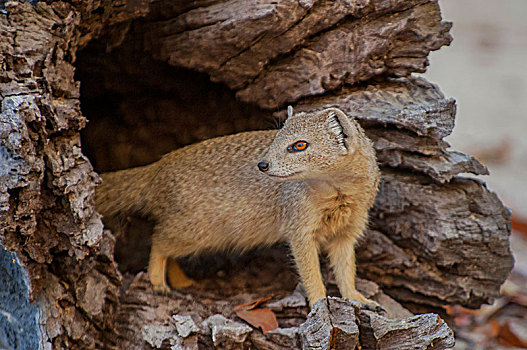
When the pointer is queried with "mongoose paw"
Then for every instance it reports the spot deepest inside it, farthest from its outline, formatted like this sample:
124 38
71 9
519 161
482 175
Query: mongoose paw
161 288
373 306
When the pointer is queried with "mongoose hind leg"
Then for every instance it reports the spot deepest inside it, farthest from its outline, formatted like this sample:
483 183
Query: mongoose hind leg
157 270
341 253
176 277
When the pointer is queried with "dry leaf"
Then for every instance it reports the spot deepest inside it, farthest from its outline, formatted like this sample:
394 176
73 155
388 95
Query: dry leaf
506 337
494 329
252 304
264 319
461 315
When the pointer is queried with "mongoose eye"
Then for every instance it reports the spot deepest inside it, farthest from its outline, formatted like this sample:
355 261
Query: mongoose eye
298 146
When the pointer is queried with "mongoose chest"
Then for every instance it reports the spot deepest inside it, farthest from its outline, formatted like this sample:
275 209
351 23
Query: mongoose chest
334 214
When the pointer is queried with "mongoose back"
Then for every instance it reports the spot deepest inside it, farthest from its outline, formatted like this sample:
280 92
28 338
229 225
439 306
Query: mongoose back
311 184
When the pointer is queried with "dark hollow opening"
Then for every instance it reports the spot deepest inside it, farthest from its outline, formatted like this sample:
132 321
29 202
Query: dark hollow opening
140 108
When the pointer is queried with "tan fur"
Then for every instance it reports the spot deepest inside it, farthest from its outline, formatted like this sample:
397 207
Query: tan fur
211 196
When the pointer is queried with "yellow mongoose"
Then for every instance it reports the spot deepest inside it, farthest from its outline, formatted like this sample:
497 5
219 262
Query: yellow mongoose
310 183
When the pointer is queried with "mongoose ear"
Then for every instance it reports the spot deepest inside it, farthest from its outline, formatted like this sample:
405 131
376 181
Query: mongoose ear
289 111
340 125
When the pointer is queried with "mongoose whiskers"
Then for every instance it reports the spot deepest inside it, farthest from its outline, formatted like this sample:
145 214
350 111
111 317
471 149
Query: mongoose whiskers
310 184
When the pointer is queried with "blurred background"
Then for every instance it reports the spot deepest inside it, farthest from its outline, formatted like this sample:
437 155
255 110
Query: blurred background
485 70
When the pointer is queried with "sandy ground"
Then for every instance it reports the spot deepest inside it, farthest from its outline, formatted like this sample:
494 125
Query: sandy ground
485 70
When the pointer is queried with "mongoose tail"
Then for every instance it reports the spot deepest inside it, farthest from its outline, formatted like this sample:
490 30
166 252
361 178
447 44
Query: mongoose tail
126 192
123 191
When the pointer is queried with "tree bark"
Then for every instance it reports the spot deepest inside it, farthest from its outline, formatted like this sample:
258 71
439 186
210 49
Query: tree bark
145 69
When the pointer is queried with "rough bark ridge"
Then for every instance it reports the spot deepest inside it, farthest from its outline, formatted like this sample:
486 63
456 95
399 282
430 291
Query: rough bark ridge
435 238
47 185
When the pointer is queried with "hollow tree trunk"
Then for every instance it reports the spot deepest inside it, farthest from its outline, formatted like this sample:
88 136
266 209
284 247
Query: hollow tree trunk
156 75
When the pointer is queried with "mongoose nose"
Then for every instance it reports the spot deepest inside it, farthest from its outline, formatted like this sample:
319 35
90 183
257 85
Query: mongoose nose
263 166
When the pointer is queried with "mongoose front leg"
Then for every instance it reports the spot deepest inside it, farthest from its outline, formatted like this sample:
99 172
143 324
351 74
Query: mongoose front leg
176 277
305 252
341 253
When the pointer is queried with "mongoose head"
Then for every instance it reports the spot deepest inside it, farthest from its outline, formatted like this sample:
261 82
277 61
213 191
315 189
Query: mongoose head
311 145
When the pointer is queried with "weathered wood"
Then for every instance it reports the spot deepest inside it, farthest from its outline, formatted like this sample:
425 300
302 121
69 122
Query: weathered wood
424 223
411 104
397 44
426 331
330 324
441 168
435 238
47 184
334 320
278 52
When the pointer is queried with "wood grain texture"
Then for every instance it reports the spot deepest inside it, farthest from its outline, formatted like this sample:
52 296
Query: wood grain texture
47 184
397 45
278 52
